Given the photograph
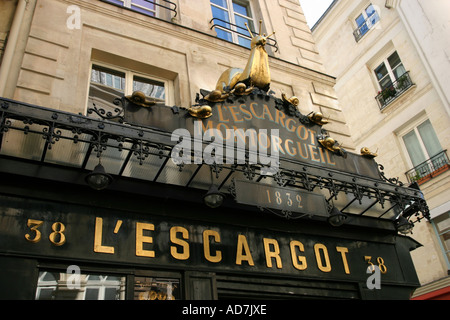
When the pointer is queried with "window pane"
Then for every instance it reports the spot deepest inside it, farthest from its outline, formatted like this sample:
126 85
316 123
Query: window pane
111 294
383 76
415 152
222 15
225 35
370 10
106 85
394 60
145 4
144 7
381 71
240 22
360 20
245 42
222 3
91 294
90 287
151 88
147 288
429 138
240 9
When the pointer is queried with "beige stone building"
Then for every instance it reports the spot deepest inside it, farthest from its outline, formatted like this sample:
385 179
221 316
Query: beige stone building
48 61
157 229
390 59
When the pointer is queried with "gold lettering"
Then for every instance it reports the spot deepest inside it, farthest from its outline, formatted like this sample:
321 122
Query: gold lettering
327 153
234 114
252 109
324 267
247 114
292 152
276 143
34 225
299 262
343 251
141 239
302 146
184 254
243 251
98 235
267 112
206 247
272 254
301 136
279 117
221 118
314 153
208 126
292 128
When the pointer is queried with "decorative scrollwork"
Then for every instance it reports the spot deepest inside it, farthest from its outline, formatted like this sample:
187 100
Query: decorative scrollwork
116 115
394 181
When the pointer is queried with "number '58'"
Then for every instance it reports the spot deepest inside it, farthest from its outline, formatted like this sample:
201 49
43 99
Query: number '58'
57 237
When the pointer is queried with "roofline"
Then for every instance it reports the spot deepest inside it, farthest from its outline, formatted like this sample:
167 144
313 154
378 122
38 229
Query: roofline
324 14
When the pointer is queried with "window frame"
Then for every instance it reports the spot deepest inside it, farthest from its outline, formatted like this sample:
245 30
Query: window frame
389 68
363 12
128 4
129 78
413 126
235 33
440 235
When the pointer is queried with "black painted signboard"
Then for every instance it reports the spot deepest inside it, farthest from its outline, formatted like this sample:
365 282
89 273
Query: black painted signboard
82 233
297 138
297 202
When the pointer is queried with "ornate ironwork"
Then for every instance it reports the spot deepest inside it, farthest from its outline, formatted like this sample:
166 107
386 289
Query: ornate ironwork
142 143
396 89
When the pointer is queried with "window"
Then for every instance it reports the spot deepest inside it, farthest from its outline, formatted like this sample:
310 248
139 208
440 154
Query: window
393 79
54 286
365 21
107 84
147 288
425 152
229 18
390 71
142 6
442 226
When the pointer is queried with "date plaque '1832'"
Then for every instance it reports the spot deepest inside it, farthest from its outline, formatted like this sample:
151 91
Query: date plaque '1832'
297 202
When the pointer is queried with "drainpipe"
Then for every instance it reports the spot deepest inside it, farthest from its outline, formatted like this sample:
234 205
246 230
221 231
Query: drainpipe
11 45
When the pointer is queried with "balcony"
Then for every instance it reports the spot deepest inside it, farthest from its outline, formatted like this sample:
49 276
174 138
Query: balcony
366 26
163 9
395 90
239 33
429 169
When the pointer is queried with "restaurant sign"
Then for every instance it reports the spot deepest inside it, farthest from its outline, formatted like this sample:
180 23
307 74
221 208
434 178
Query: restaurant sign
51 230
257 122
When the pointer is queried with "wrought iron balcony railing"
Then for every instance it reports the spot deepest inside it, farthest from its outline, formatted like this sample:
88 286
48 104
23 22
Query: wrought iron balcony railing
391 93
366 26
140 6
239 31
429 169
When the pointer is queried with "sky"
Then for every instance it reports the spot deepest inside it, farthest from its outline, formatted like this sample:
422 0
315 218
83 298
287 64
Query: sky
314 9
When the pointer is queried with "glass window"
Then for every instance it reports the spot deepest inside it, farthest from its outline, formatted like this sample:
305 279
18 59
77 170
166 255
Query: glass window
389 71
147 288
230 17
142 6
54 286
442 226
365 21
422 144
107 84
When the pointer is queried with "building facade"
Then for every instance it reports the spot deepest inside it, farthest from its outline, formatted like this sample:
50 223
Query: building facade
112 187
390 60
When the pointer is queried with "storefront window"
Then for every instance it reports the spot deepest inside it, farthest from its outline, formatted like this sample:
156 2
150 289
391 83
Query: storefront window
146 288
60 286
